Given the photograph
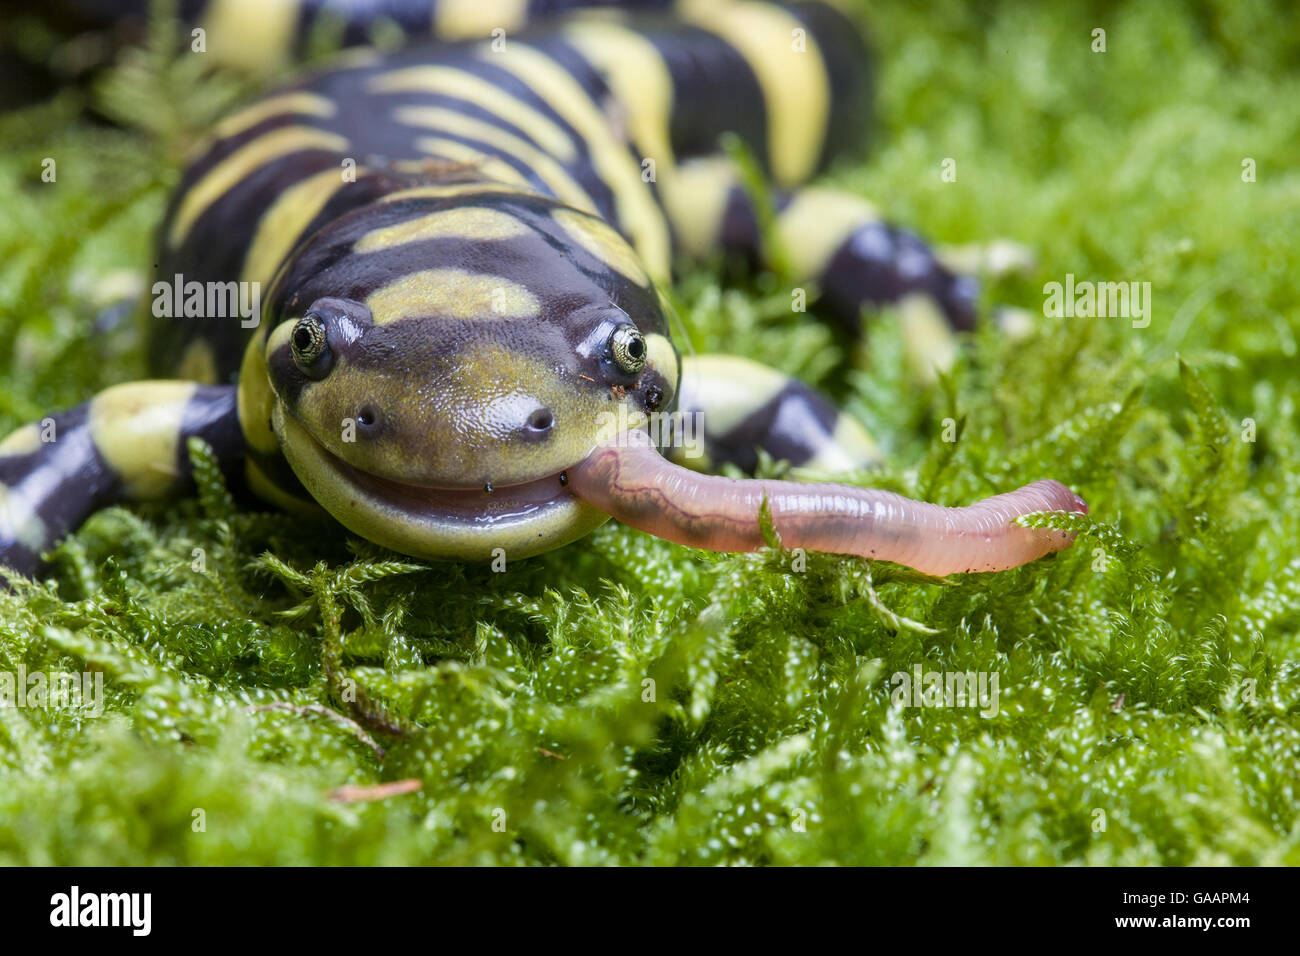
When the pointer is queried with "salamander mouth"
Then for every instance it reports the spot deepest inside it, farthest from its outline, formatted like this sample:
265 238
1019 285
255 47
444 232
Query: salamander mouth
444 523
467 501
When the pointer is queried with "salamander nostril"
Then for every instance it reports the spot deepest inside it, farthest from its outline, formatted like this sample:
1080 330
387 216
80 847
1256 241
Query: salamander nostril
367 416
541 420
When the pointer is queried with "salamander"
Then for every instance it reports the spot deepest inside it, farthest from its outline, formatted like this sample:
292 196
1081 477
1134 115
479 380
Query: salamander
461 346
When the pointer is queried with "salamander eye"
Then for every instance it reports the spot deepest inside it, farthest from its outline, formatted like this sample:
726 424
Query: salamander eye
311 351
628 345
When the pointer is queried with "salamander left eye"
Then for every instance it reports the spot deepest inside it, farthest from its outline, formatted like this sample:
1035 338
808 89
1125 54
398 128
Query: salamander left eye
628 346
311 351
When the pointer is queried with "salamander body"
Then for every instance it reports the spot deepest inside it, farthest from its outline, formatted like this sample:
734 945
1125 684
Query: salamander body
457 254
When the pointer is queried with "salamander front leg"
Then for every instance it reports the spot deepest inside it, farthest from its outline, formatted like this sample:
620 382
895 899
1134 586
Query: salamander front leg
126 444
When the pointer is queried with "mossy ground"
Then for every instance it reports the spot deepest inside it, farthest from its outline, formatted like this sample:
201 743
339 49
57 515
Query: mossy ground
1150 691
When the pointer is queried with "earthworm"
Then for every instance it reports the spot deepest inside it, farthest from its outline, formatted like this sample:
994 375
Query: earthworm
630 480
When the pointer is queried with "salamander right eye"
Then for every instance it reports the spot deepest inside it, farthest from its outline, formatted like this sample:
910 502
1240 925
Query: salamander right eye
629 349
310 347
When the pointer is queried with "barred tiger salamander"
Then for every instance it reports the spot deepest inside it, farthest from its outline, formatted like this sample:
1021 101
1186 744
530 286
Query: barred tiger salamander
462 344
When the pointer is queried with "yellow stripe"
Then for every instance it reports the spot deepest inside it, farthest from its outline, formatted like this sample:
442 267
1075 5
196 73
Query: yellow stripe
282 225
252 35
467 19
638 215
238 165
816 224
728 388
137 430
286 104
695 195
450 81
491 166
453 294
473 223
255 398
22 442
928 338
19 521
547 169
639 79
603 242
662 357
796 89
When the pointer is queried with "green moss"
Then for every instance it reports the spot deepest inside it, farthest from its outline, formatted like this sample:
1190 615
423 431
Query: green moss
1148 677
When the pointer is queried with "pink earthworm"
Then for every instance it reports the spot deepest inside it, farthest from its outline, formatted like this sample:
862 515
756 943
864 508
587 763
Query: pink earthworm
630 480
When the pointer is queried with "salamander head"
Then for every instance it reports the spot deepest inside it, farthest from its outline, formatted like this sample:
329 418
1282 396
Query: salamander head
436 365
